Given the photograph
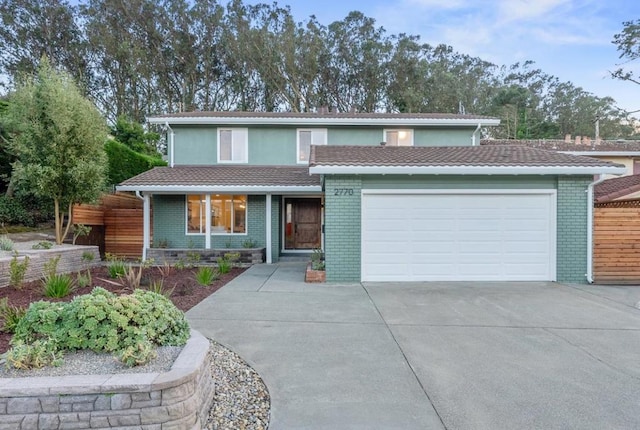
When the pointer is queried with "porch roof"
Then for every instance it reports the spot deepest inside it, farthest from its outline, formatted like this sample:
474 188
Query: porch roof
224 178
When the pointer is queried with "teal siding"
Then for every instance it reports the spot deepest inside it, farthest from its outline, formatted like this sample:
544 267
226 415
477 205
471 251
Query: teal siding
276 231
354 136
342 229
444 137
572 229
169 224
457 182
268 146
195 145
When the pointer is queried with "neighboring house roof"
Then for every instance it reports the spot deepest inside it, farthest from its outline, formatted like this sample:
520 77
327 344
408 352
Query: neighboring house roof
453 160
245 179
613 189
591 147
330 118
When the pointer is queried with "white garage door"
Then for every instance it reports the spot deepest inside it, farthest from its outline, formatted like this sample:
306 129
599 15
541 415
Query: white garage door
469 235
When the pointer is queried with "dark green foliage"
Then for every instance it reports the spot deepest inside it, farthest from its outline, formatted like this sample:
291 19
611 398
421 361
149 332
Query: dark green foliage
206 275
133 135
125 163
104 322
10 315
12 212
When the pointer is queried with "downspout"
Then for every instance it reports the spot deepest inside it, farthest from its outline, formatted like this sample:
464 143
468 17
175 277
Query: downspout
171 136
473 135
590 227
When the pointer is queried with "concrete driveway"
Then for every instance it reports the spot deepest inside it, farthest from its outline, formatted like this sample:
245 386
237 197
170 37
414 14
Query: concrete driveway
433 355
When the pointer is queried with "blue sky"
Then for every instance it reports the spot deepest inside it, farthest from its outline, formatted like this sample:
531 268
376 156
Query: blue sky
570 39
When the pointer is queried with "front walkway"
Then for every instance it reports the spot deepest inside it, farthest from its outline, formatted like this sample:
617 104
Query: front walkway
388 356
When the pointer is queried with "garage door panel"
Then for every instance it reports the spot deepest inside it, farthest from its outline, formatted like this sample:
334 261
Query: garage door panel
464 236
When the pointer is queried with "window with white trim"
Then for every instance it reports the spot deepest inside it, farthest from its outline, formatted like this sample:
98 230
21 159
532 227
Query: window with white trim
228 214
306 138
399 137
232 145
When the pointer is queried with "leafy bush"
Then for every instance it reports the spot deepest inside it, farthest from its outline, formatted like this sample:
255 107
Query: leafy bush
43 244
12 211
10 315
6 244
136 355
104 322
206 275
38 354
249 243
17 271
83 279
51 267
125 163
58 285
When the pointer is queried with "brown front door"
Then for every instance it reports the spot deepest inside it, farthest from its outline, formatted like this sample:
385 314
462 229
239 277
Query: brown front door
303 223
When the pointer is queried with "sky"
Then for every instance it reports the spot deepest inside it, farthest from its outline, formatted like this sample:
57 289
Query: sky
570 39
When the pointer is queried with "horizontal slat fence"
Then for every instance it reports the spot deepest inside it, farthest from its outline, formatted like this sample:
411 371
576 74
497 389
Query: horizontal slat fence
120 217
616 243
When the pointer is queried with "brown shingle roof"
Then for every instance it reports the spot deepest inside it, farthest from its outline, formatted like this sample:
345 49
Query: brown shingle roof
561 145
493 156
615 188
276 176
313 115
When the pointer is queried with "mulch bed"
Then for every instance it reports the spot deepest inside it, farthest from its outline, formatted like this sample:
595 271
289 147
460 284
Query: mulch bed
186 291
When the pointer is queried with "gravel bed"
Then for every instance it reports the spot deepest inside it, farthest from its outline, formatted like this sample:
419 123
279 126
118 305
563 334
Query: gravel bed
241 400
87 362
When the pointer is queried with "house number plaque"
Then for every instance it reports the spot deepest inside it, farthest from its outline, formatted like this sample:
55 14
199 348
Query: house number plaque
343 192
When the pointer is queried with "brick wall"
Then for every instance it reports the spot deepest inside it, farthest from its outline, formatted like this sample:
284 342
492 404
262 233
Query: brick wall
572 229
342 228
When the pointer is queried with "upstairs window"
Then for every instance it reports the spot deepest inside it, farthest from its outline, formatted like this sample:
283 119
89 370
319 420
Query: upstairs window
399 137
232 145
308 137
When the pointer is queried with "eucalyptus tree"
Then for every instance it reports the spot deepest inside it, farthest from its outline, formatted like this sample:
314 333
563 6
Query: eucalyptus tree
628 45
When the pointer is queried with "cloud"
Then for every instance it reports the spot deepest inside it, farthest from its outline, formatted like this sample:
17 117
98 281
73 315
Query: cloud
519 10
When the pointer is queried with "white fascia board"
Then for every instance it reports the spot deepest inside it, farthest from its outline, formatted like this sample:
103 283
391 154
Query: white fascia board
468 170
604 153
193 189
325 121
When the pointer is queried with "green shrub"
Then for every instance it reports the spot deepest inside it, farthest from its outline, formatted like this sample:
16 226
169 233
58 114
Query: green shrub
104 322
43 244
206 275
226 262
124 163
83 279
17 271
10 315
193 258
136 355
51 267
116 269
6 244
13 211
249 243
58 285
38 354
87 256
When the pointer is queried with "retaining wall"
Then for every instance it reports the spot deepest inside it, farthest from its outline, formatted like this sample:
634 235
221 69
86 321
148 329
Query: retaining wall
70 261
178 399
206 256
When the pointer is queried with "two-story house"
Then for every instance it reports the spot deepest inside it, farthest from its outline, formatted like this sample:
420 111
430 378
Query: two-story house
388 197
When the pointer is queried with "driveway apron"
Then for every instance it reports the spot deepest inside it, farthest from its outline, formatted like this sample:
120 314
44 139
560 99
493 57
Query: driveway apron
432 355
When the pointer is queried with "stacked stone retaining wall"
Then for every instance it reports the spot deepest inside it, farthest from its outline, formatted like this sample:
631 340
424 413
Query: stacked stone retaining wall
175 400
72 259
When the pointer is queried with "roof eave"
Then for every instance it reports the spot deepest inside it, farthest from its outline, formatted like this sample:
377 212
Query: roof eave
320 121
468 170
604 153
244 189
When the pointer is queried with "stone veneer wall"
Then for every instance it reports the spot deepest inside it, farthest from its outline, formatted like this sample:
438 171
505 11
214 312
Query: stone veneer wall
70 261
206 256
178 399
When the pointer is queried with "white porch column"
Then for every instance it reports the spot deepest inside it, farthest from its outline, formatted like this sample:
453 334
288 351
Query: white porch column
267 217
146 225
207 218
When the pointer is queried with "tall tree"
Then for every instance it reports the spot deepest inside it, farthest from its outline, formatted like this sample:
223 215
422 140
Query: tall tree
58 141
628 44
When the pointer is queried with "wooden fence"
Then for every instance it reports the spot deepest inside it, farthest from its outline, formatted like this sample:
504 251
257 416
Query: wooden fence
616 240
119 218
